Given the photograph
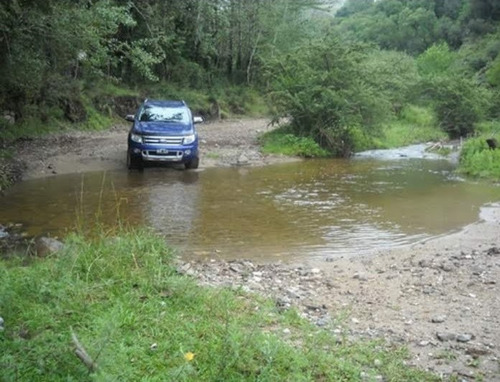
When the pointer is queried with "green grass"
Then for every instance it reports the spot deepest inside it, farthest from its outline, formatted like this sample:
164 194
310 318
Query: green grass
139 320
414 125
281 141
477 160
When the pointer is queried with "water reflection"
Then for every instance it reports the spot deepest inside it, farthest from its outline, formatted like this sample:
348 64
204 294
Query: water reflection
294 210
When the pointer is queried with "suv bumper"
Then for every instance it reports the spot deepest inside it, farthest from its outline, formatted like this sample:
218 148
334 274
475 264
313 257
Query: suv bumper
154 153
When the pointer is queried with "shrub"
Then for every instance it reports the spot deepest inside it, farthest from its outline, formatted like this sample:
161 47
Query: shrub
478 160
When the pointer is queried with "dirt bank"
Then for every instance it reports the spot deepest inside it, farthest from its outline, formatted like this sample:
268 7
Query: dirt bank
440 298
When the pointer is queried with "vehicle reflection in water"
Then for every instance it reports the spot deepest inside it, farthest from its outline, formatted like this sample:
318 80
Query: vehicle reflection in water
288 211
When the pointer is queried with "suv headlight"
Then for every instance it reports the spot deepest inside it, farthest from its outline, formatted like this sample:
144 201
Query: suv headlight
136 137
188 139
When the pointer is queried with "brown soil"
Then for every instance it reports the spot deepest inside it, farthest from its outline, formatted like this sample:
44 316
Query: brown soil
440 298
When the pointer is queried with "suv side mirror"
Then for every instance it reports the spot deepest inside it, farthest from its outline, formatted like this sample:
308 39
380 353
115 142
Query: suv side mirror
197 119
129 117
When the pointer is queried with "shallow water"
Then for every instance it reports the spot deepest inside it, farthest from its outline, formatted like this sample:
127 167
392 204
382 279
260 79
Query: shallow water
292 211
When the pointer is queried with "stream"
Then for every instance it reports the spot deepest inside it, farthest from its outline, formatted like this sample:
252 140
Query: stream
314 208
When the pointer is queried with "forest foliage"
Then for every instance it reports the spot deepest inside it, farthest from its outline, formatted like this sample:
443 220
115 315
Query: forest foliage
341 75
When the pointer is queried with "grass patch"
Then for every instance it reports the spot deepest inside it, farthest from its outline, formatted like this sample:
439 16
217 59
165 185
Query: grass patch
478 160
281 141
140 320
414 125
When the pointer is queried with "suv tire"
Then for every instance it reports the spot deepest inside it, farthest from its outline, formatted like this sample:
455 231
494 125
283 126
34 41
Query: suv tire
192 164
134 162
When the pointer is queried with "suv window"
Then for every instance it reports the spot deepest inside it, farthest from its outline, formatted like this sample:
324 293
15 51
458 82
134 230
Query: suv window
153 113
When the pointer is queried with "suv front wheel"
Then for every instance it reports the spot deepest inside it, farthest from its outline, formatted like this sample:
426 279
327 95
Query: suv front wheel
134 162
192 164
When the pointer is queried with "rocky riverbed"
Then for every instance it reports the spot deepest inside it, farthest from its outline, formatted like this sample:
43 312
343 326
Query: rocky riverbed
439 298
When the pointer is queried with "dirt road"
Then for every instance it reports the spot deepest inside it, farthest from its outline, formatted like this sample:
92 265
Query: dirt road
224 143
440 298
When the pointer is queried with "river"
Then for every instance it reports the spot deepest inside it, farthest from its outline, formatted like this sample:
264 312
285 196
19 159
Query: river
315 208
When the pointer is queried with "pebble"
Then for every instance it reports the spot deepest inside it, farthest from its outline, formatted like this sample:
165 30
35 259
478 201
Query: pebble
360 277
445 336
242 159
438 319
464 337
446 267
323 321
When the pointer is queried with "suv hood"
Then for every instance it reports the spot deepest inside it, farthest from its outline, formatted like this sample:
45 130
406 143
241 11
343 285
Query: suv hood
163 128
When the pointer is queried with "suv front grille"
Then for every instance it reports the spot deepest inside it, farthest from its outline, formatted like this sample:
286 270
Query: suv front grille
165 140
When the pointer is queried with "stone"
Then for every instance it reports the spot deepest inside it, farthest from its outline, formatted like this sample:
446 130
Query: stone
438 319
360 277
47 245
466 337
447 267
242 160
292 293
235 268
445 336
323 321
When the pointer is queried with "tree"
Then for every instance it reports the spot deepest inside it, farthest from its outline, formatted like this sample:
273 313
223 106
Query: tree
323 88
436 60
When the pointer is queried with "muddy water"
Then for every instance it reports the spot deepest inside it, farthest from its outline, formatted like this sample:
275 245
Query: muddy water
289 211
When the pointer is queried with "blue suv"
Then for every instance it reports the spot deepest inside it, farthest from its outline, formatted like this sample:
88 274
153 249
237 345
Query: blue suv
163 131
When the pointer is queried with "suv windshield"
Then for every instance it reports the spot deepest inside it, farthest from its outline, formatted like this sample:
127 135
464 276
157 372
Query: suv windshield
151 113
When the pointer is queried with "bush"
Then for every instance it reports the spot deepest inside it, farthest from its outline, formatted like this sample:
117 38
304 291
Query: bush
458 102
324 89
478 160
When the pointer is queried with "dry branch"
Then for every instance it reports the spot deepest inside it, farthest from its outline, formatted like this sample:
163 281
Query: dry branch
82 353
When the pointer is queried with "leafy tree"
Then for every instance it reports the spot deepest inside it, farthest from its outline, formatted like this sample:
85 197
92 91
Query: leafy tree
393 75
436 60
459 103
322 87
